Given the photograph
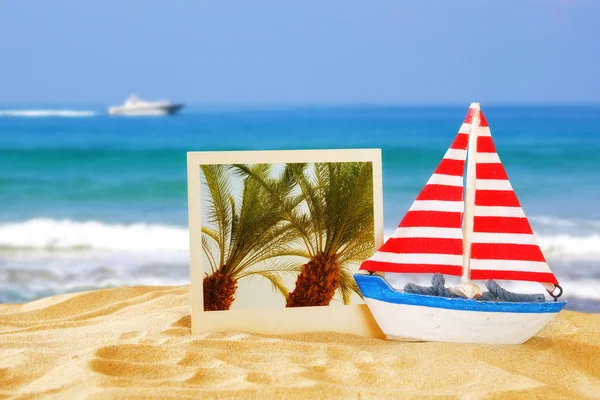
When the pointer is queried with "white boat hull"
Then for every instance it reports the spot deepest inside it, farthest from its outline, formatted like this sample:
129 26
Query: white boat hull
410 323
145 111
408 316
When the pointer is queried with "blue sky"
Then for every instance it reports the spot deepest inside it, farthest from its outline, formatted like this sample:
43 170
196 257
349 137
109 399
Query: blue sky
307 52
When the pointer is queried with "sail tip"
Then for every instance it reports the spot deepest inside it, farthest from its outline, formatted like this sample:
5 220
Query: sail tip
476 106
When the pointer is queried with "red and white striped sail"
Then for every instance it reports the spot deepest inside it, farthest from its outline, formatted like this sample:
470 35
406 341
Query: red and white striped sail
429 238
502 243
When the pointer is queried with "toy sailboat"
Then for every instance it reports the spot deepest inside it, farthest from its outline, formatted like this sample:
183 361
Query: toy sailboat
484 236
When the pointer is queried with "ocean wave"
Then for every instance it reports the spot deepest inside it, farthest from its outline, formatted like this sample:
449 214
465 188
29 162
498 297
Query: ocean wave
52 235
43 257
543 220
22 282
46 113
570 247
49 234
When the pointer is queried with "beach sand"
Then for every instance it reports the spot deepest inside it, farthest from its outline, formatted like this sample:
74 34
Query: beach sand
135 343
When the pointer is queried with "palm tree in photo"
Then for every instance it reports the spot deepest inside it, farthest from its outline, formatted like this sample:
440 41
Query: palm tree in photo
248 234
336 230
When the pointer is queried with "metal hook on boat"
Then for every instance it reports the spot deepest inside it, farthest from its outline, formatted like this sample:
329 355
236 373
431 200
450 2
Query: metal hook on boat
555 297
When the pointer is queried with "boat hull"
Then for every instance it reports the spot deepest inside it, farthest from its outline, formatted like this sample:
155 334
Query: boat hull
146 110
407 316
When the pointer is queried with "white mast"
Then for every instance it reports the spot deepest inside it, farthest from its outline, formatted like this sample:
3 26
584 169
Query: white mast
470 193
466 288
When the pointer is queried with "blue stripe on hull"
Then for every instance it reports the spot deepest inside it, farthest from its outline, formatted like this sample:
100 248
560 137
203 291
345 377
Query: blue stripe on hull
375 287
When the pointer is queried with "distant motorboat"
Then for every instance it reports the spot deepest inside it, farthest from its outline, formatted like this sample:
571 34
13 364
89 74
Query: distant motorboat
135 106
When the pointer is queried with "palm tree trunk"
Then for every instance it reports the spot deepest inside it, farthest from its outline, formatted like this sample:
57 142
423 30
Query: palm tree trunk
317 282
219 291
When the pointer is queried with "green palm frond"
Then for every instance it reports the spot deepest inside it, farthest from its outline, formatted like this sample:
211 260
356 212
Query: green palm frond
209 254
349 204
274 272
269 184
343 195
219 187
260 224
235 219
339 199
276 281
256 231
266 246
285 251
277 243
348 286
358 250
283 268
314 200
283 199
211 233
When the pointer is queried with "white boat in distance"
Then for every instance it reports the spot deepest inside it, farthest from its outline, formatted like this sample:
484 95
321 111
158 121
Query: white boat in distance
135 106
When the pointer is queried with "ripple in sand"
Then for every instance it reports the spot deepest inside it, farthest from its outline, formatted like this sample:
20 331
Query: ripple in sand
275 367
183 322
343 353
199 358
558 328
178 332
130 335
218 377
333 371
123 369
284 380
540 358
19 367
379 376
139 353
309 361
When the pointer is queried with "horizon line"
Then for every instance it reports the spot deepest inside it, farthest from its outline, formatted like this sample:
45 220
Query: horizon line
281 104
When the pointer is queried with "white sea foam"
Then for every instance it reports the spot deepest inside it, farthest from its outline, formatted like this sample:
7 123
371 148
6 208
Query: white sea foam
571 247
44 256
49 234
46 113
553 222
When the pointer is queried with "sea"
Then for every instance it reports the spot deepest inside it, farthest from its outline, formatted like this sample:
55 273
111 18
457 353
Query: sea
90 201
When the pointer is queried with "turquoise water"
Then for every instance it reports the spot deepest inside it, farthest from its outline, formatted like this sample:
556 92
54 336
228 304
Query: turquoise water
89 200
